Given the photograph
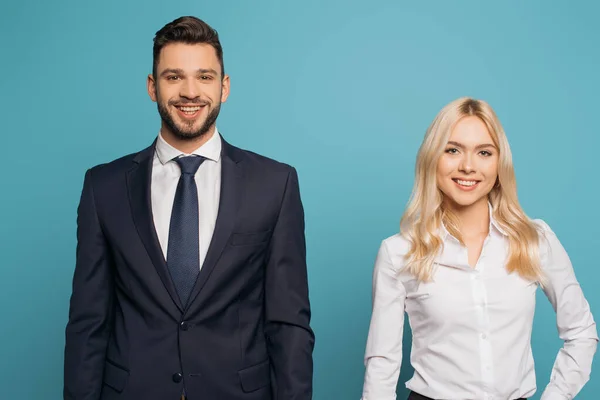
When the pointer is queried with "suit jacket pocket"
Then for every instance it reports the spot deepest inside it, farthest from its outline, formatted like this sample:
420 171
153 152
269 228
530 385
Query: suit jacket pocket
255 377
251 238
115 377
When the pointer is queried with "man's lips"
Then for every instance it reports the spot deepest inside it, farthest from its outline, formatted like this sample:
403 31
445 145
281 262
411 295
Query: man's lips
189 111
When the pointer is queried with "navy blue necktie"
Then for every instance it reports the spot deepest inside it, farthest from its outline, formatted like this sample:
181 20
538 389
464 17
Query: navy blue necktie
183 250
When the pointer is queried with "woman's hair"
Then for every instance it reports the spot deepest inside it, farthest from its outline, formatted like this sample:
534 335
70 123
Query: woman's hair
426 213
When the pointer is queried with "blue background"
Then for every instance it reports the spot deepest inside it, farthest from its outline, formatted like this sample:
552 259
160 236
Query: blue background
343 90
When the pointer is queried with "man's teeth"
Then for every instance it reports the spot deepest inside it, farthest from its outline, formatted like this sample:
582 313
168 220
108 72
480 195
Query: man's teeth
189 110
466 183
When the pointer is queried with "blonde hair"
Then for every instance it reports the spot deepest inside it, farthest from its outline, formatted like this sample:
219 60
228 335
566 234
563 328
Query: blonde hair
425 212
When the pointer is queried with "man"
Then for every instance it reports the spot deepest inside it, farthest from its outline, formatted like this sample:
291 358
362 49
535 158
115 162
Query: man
190 279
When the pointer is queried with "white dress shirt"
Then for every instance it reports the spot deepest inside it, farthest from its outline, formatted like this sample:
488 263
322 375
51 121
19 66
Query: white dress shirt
472 326
165 177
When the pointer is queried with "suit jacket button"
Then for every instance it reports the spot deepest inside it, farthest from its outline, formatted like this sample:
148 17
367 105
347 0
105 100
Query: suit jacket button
177 377
184 326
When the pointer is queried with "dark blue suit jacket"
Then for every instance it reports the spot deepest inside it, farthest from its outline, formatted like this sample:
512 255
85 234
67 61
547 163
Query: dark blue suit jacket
245 334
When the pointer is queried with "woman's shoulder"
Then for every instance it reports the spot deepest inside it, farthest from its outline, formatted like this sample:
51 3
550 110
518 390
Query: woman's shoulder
541 225
547 238
543 229
397 247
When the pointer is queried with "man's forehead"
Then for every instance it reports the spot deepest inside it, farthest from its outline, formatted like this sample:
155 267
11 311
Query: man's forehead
188 50
188 56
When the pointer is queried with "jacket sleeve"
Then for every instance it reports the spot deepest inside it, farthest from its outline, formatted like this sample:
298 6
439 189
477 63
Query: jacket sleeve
90 312
290 340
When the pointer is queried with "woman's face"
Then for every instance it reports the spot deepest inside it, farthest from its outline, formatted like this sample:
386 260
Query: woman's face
468 169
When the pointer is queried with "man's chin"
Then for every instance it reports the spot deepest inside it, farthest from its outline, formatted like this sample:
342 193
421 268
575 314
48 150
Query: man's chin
189 135
186 134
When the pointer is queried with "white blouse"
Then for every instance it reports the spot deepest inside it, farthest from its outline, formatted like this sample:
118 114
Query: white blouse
472 326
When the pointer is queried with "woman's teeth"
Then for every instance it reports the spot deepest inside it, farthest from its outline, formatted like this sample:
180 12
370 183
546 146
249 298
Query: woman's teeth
466 183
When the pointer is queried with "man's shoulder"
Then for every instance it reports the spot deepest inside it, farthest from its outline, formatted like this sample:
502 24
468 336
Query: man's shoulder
267 162
259 162
120 165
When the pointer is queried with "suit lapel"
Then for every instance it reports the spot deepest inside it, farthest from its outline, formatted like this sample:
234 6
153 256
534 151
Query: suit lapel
231 186
139 180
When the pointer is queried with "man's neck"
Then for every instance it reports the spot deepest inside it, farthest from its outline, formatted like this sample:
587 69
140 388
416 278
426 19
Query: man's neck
187 146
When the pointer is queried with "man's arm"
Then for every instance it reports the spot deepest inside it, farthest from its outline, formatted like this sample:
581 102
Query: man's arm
290 339
90 313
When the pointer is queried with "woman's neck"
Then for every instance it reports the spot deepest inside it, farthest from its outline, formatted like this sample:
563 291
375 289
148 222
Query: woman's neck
474 219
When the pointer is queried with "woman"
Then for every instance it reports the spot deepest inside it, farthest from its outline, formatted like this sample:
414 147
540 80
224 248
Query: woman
465 268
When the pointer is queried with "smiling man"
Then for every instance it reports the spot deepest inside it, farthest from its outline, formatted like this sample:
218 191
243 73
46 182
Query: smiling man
190 278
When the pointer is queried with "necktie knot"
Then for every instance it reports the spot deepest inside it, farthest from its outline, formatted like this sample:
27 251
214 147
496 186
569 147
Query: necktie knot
189 164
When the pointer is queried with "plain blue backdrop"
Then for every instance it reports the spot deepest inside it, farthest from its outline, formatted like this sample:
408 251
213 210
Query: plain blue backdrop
342 90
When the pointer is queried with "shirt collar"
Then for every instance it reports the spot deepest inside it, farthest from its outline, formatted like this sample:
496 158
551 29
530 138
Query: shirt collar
494 225
451 254
211 150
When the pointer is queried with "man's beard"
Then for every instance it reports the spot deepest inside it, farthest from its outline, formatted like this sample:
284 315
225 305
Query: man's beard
189 133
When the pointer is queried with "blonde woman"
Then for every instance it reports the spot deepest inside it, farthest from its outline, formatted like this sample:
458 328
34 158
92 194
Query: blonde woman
465 268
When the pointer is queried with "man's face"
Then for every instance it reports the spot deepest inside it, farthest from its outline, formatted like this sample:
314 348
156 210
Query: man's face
188 89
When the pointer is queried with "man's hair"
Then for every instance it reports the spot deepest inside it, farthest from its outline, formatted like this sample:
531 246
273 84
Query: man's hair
188 30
